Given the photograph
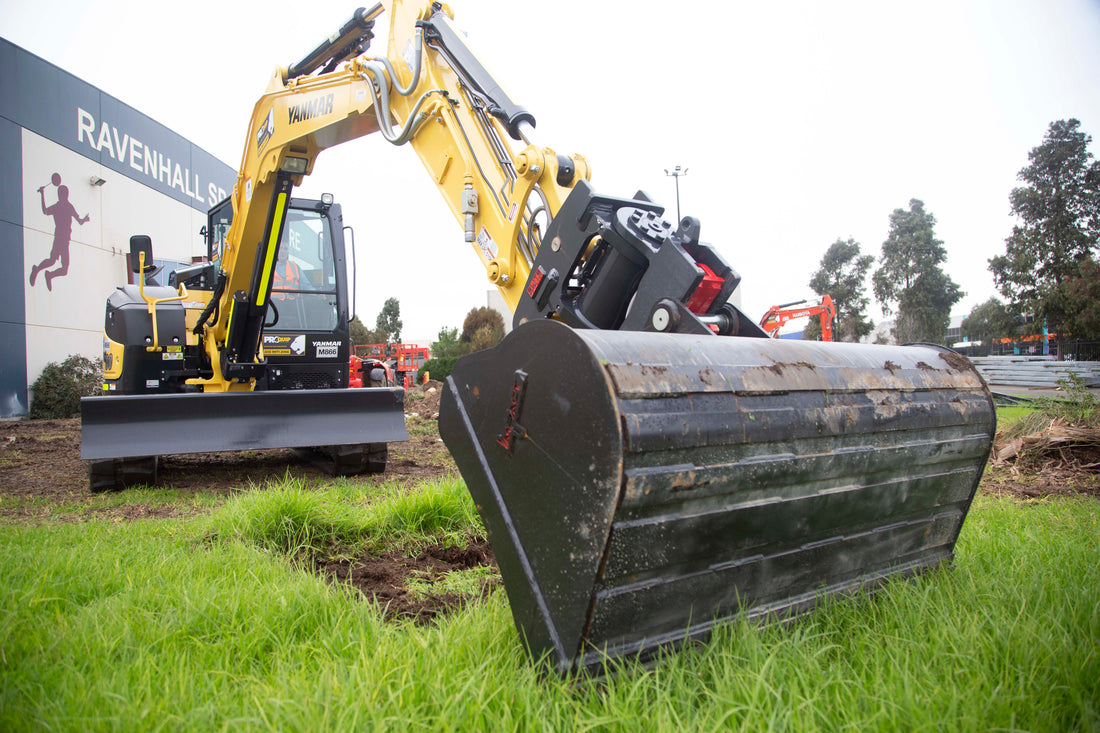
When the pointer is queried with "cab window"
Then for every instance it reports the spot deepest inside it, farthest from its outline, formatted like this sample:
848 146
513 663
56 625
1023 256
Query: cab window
304 286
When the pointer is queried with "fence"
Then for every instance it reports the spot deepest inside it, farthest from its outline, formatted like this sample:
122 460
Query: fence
1075 350
1034 371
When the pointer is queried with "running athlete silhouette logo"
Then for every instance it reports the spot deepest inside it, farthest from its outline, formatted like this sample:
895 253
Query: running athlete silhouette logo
64 214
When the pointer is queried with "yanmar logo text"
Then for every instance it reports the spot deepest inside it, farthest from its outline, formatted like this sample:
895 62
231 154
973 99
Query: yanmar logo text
311 108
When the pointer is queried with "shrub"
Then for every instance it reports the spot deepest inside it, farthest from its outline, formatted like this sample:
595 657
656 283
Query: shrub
1078 407
483 327
59 387
438 369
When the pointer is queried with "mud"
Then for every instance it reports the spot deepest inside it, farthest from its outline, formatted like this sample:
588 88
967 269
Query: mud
385 578
955 361
40 465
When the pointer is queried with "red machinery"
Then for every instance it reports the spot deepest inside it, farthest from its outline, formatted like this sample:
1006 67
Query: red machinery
778 315
404 359
377 372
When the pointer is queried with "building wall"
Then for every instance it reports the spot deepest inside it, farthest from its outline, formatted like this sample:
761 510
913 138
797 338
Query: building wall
58 135
496 301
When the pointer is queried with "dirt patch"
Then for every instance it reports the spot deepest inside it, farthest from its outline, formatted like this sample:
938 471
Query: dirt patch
40 466
132 512
385 578
1048 483
423 401
40 462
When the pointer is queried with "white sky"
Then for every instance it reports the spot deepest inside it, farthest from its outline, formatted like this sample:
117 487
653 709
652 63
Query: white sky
799 121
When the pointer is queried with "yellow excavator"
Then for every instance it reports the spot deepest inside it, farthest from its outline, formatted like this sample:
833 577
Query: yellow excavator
646 461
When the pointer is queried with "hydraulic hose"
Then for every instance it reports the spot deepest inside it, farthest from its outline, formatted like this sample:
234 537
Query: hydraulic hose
379 73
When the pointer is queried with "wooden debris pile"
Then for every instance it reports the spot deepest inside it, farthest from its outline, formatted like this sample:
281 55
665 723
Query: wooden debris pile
1058 446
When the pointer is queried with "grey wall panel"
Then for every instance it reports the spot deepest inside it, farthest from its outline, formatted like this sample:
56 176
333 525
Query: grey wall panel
13 382
9 102
48 97
11 182
13 316
58 106
13 325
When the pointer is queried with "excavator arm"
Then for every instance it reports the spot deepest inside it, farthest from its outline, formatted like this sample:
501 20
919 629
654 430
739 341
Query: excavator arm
297 117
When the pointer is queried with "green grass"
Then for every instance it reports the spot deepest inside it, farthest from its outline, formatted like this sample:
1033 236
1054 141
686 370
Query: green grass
206 624
346 517
464 582
421 426
1009 416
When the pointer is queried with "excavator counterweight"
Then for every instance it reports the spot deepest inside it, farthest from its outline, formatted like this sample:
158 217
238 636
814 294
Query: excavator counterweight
640 487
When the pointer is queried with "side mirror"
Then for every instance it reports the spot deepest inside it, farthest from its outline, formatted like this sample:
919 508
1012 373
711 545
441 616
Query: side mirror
141 243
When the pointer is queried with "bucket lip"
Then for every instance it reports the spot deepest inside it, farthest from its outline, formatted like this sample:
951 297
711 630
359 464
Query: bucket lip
604 343
642 365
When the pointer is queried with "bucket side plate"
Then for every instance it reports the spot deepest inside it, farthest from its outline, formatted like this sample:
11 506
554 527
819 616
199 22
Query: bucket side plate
547 490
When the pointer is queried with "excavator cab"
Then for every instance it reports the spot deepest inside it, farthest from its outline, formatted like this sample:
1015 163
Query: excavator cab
153 357
306 338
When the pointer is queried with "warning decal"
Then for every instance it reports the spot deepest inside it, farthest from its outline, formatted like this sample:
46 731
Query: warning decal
488 246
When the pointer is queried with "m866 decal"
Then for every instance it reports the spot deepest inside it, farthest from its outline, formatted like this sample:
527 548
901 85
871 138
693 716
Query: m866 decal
327 349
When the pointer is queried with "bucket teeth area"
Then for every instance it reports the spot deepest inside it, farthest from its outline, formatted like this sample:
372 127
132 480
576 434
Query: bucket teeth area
666 482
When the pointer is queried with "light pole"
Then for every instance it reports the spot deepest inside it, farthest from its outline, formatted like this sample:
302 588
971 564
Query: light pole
676 173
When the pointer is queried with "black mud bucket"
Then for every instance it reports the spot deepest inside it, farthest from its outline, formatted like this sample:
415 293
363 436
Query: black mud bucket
639 488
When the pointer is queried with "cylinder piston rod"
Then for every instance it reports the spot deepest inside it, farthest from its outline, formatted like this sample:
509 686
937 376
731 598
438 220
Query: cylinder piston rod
341 45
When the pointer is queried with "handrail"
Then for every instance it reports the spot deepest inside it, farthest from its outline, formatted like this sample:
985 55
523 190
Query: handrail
154 302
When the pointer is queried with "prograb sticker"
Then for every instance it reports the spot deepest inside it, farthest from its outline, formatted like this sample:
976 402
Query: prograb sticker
284 344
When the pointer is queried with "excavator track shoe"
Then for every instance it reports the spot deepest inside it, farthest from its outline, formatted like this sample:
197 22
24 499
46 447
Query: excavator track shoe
639 488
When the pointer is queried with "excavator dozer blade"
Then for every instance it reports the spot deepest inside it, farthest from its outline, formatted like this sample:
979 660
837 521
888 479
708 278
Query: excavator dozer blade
127 426
639 488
